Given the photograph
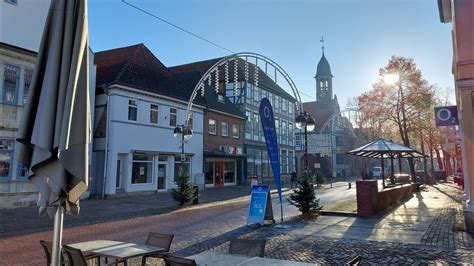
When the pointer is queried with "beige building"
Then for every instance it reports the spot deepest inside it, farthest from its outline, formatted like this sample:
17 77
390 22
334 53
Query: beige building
21 27
460 13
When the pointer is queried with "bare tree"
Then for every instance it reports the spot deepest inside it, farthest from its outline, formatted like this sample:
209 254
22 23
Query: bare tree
398 110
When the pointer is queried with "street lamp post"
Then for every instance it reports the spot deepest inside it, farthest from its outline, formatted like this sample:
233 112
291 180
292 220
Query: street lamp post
186 133
305 120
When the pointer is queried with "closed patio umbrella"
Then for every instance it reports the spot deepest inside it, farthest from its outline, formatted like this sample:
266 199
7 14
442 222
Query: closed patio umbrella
54 134
383 149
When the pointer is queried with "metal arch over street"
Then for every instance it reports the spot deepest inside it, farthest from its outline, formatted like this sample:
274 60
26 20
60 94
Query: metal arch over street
333 117
245 56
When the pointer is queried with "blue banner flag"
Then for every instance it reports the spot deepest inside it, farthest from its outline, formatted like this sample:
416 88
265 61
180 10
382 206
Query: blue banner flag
269 131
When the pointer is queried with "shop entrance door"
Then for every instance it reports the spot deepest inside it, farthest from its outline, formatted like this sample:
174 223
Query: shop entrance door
218 174
161 178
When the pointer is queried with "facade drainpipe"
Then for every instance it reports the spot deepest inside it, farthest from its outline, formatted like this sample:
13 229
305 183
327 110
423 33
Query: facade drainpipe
106 153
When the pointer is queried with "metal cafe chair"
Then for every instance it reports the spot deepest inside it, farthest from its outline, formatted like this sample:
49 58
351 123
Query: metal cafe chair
160 241
75 256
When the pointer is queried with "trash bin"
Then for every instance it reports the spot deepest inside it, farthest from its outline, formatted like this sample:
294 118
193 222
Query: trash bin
196 195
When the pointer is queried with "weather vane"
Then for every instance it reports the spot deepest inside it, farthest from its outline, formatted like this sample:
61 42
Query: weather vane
322 43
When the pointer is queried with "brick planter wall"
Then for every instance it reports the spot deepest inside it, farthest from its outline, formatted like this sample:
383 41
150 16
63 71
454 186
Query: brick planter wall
366 197
371 201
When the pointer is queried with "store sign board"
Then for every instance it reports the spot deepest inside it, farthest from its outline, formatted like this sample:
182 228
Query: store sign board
319 143
446 116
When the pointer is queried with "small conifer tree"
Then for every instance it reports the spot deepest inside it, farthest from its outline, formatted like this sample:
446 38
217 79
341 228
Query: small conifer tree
304 197
320 179
184 192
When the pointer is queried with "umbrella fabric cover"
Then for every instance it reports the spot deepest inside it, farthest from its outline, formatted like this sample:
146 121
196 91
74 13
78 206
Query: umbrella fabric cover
54 133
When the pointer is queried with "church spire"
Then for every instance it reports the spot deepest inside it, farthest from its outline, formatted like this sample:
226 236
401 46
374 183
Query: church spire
323 78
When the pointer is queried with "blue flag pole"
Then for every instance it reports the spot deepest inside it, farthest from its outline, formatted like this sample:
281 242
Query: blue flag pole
269 131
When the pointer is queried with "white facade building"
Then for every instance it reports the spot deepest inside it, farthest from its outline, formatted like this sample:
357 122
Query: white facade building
136 113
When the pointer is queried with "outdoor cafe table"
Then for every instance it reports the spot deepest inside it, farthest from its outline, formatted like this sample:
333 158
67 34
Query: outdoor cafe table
226 259
115 249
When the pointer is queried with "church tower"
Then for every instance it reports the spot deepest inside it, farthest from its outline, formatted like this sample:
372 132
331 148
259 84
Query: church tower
323 79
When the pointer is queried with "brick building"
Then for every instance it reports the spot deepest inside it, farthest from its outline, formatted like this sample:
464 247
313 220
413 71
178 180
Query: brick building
246 97
224 123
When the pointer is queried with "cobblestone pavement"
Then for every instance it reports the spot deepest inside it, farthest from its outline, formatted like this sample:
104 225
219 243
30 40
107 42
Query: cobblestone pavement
283 244
448 229
210 228
25 220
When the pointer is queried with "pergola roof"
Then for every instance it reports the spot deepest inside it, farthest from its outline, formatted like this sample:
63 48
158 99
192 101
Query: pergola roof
386 149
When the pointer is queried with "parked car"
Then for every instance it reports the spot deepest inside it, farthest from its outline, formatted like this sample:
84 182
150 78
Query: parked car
376 171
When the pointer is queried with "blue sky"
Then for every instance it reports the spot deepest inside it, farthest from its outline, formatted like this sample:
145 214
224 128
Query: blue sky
360 36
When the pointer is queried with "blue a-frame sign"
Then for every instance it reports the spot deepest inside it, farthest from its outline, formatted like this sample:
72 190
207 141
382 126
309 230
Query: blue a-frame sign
260 207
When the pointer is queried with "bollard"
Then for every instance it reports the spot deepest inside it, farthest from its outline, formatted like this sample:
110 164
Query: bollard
349 184
196 195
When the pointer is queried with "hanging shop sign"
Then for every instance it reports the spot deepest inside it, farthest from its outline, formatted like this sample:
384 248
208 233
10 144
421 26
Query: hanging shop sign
446 116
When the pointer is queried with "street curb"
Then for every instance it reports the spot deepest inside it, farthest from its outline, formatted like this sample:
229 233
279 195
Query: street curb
336 213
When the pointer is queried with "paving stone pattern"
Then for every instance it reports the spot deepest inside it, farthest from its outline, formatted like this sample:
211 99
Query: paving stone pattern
444 230
210 228
282 244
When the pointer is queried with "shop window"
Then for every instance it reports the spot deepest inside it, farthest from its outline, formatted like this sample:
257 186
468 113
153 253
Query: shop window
212 127
220 98
26 85
229 172
256 95
22 171
291 109
173 117
248 125
284 133
249 93
11 78
209 173
186 167
6 154
142 168
153 114
277 103
224 129
277 128
255 126
290 134
235 131
132 110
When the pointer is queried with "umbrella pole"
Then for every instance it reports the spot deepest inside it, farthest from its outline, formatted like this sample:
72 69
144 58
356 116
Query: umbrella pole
383 175
392 172
57 236
399 163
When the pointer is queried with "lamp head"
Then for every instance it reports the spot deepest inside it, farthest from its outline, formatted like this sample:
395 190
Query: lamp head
177 131
310 124
188 133
300 121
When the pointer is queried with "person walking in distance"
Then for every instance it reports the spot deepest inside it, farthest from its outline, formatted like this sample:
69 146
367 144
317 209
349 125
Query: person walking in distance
293 179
